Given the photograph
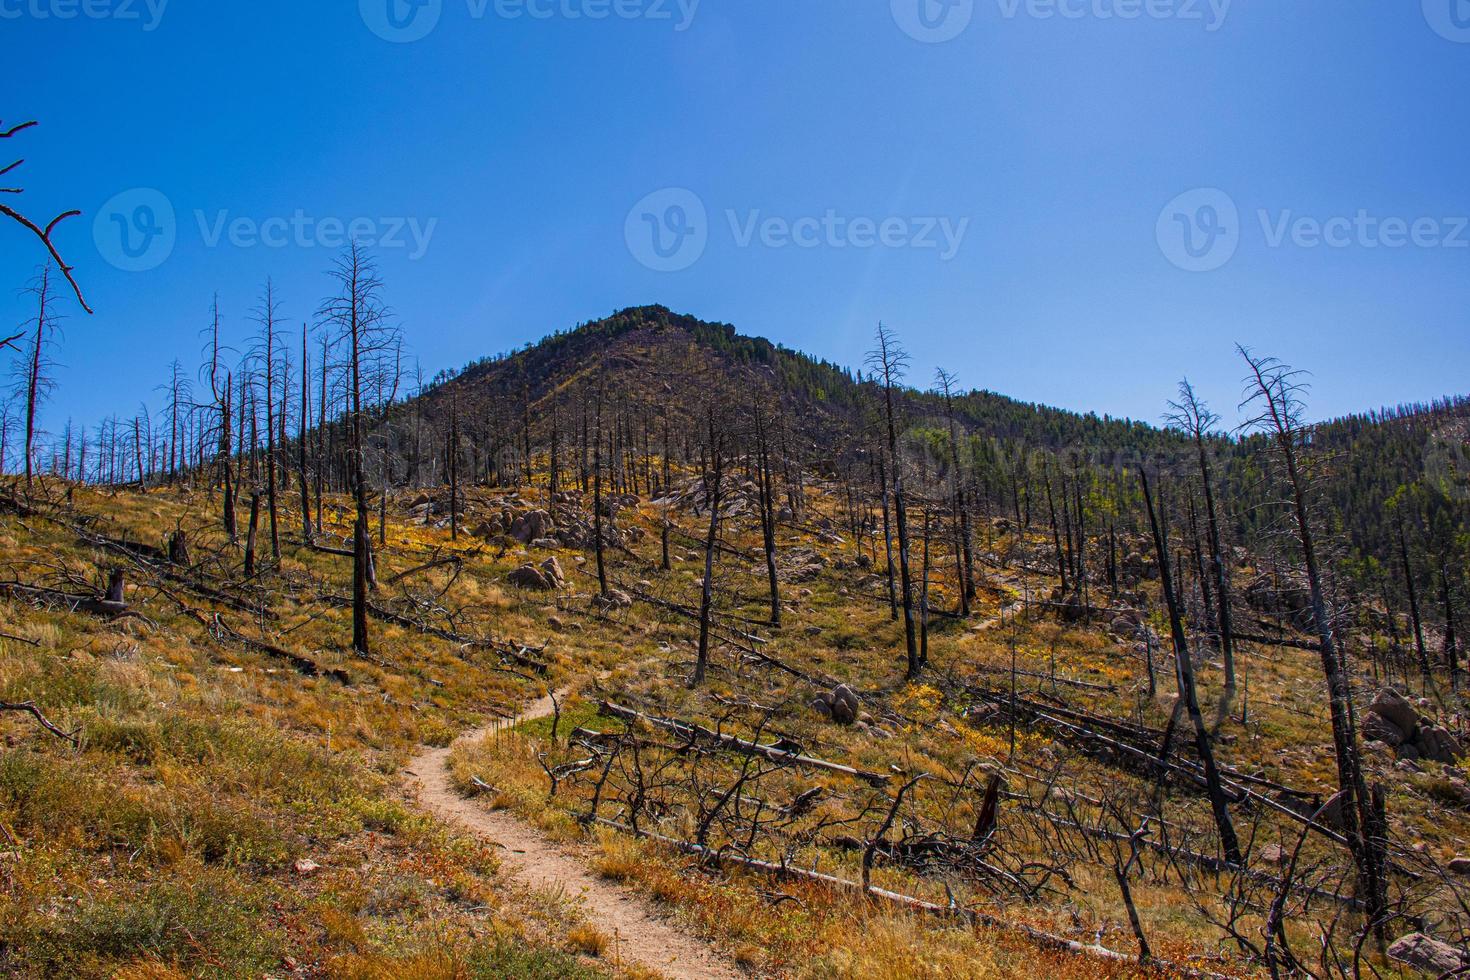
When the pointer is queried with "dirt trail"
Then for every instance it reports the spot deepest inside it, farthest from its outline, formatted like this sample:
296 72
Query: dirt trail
641 936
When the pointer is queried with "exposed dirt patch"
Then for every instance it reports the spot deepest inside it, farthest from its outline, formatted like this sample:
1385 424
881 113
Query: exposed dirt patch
641 934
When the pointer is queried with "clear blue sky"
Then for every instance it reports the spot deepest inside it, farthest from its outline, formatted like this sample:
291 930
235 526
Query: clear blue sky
527 142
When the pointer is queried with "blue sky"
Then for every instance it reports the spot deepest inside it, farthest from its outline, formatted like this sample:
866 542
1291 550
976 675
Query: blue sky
1313 152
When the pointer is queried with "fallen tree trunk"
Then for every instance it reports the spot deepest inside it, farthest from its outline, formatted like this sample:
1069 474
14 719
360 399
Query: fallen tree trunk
693 732
514 652
97 606
970 916
305 665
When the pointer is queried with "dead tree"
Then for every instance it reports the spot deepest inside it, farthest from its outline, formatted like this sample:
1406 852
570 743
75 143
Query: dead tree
454 468
887 537
34 382
1275 391
250 535
1414 618
265 315
1228 842
965 569
303 426
361 322
890 360
1194 417
44 234
767 513
713 479
597 498
221 394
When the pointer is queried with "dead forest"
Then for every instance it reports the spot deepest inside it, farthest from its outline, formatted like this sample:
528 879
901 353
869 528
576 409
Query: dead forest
856 672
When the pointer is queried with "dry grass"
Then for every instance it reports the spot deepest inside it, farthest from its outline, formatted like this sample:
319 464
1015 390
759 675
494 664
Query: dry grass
166 841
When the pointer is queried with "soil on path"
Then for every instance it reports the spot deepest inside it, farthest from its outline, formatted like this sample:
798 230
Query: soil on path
640 934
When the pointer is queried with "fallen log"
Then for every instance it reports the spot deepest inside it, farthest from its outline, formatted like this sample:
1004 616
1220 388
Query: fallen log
972 917
96 605
1277 641
305 665
514 652
694 732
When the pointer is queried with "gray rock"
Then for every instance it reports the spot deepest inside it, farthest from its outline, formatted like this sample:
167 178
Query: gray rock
551 569
1392 705
1377 728
1438 745
615 599
530 577
1458 866
1429 955
845 705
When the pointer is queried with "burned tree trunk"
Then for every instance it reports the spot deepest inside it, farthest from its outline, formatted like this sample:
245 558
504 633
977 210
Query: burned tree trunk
453 462
1418 624
706 598
250 535
1228 842
768 515
301 440
1277 392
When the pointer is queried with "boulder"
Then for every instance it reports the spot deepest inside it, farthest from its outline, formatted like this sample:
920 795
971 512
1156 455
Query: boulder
1377 728
530 526
1459 866
1438 745
1137 567
845 705
551 569
840 704
530 577
1430 955
615 599
1393 706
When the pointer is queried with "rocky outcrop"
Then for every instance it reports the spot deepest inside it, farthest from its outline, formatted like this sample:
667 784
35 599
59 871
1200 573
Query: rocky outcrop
1393 721
615 599
841 704
1287 600
540 578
